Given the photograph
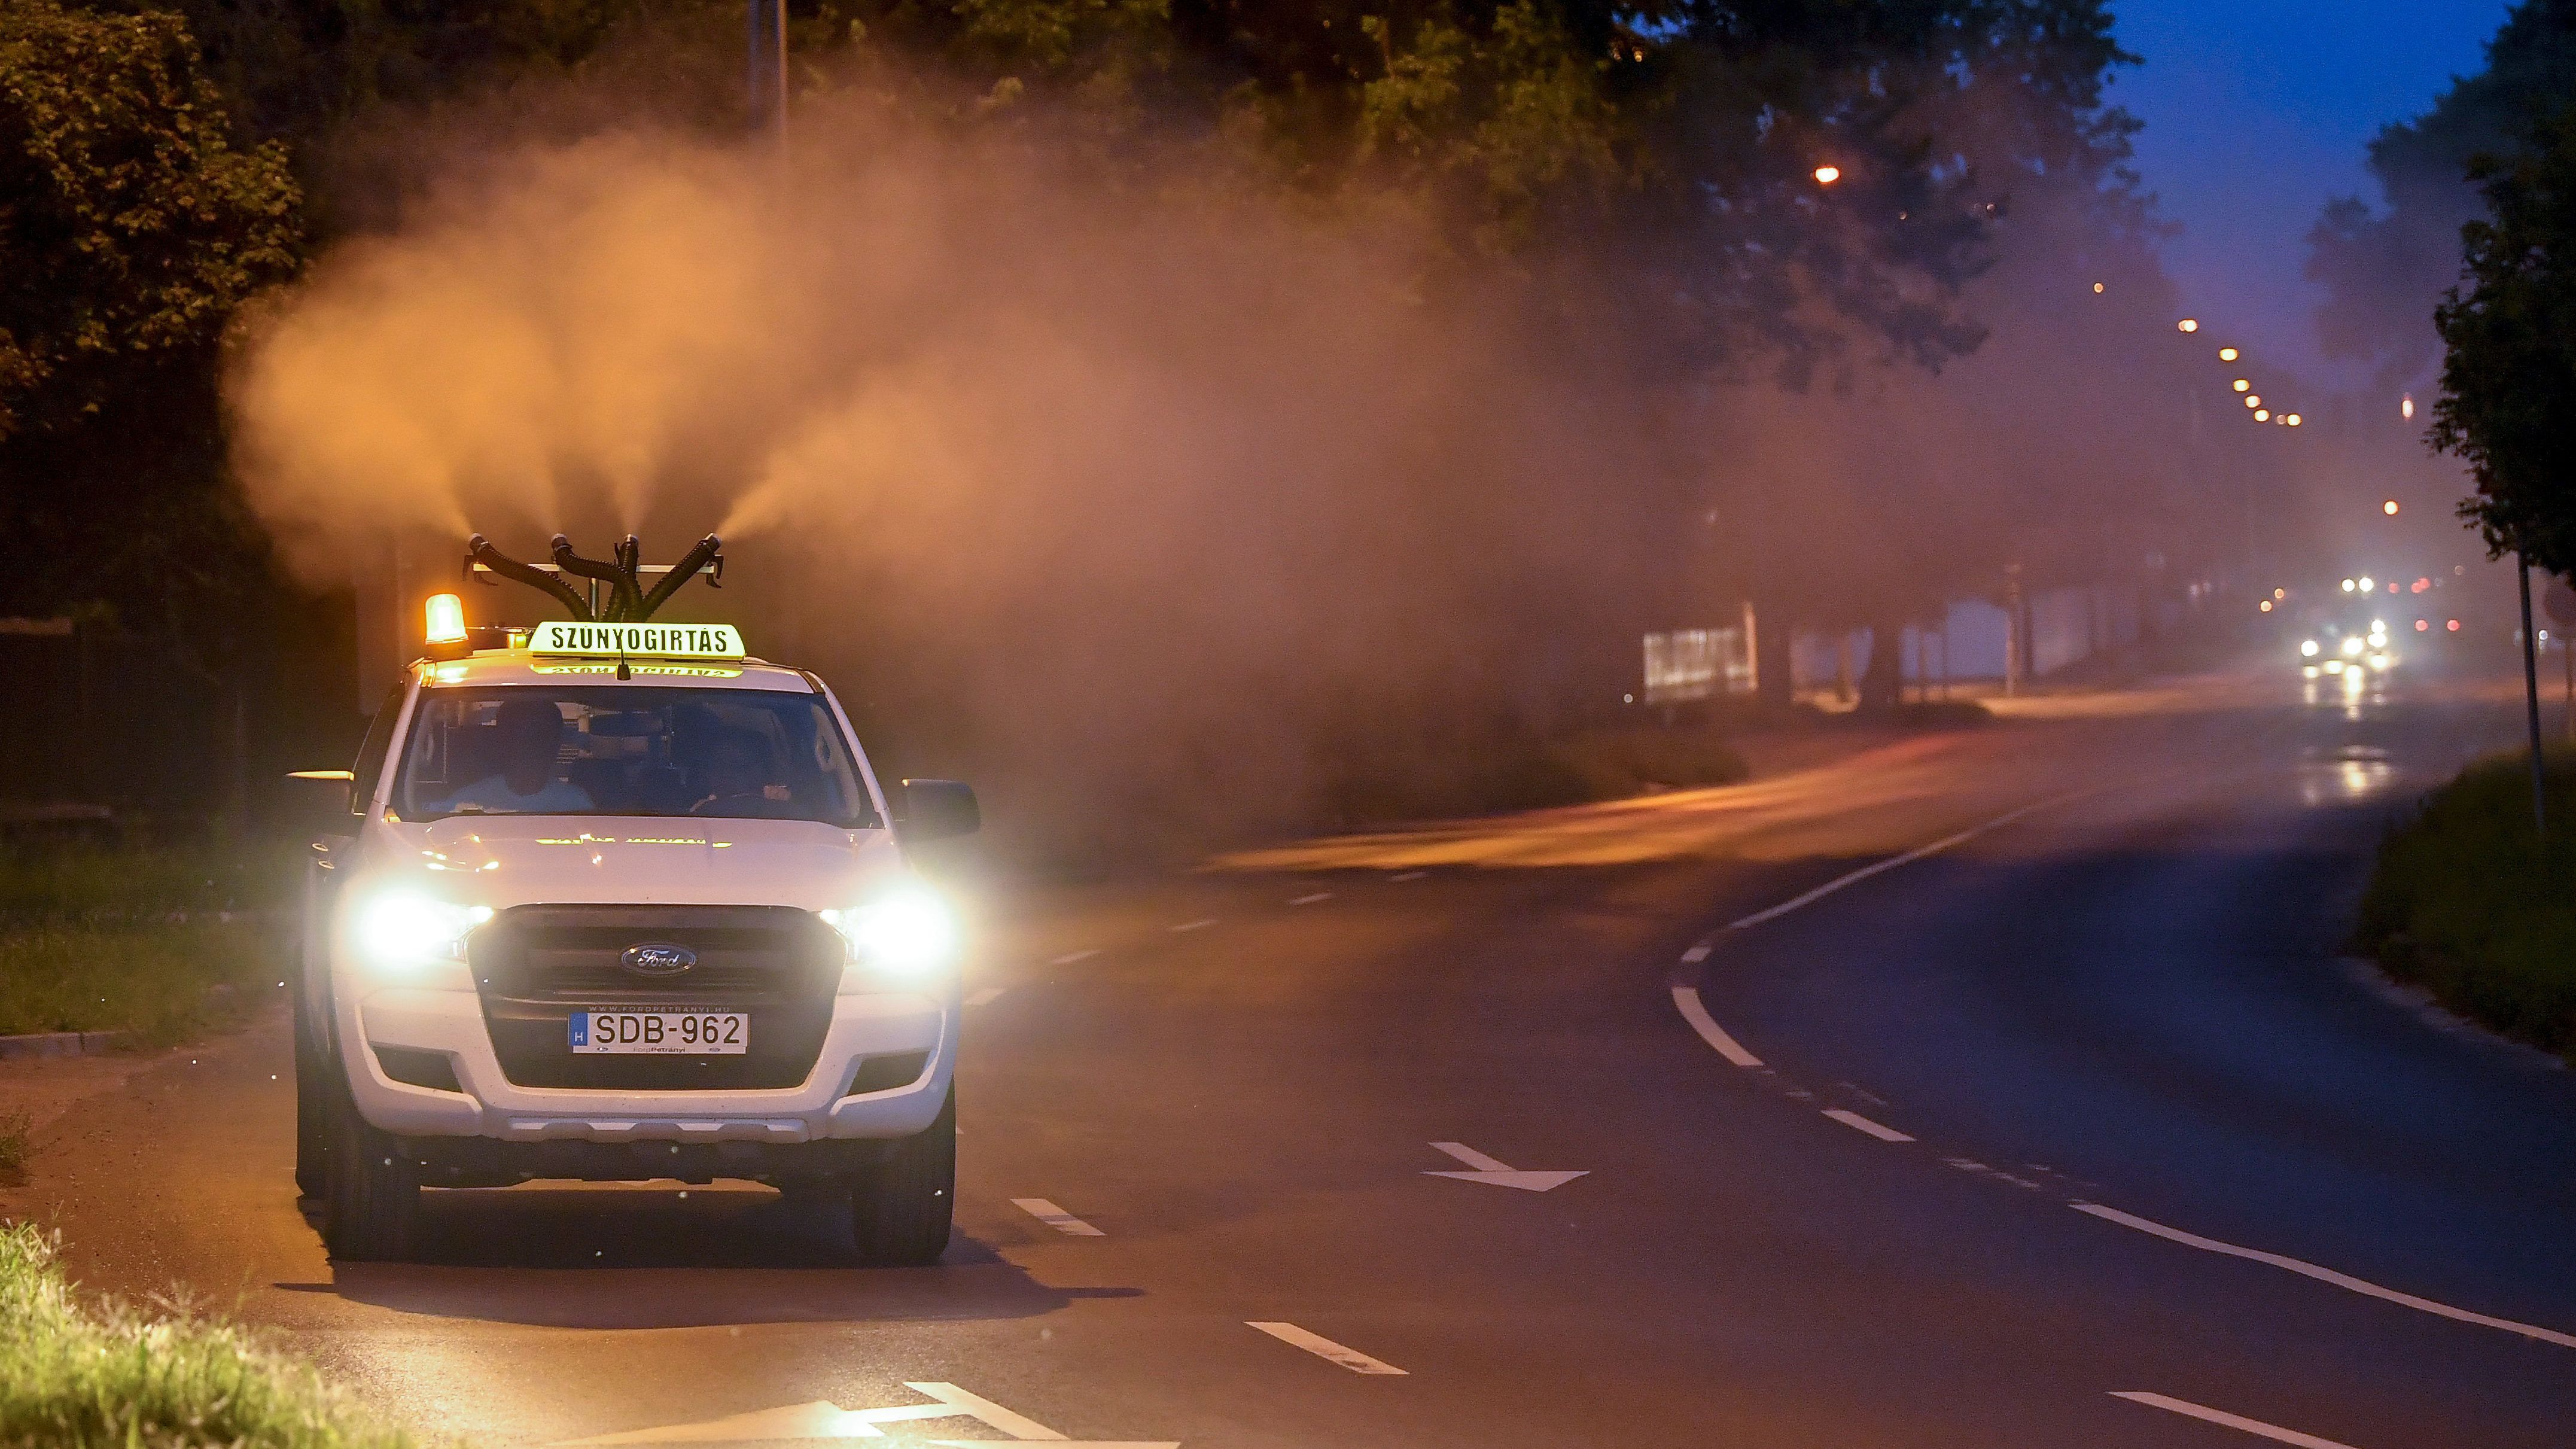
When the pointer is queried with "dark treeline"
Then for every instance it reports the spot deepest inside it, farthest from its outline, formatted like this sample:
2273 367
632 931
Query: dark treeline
162 166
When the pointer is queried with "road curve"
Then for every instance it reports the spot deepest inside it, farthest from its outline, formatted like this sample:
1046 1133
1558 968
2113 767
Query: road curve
2072 1131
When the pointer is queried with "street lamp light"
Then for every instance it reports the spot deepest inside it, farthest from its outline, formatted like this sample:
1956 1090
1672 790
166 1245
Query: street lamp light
2389 508
2188 324
1828 175
2242 385
2227 354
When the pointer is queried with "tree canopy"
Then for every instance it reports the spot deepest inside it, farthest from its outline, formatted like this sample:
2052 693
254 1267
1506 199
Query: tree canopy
2509 370
130 225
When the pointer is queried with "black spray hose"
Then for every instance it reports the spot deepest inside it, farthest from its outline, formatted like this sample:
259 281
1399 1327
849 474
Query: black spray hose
479 549
681 572
630 583
573 563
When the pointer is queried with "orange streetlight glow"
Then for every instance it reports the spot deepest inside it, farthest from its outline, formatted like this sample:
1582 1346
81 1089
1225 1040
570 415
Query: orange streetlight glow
2188 324
1828 175
2389 508
2267 606
2097 287
2242 385
2406 406
2227 354
2292 420
2261 415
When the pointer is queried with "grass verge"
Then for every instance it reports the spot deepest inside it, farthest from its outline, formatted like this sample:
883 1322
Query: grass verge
117 1378
2469 903
130 939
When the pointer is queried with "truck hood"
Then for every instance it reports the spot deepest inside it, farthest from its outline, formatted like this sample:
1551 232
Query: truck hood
504 861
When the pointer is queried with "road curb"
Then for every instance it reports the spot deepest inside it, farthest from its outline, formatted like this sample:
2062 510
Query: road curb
62 1044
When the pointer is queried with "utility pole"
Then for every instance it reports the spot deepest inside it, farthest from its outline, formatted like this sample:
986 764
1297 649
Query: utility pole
2531 695
765 75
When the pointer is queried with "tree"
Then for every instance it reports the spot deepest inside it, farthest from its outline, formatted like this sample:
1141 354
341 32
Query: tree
2508 397
2382 267
130 226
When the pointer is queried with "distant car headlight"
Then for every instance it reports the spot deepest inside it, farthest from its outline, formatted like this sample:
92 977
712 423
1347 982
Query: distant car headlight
401 932
2381 661
907 936
2307 648
2352 644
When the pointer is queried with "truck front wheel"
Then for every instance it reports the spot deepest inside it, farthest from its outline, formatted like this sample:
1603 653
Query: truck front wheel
374 1198
901 1207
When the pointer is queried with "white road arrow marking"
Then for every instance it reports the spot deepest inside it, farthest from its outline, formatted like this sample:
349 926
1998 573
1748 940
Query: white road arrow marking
823 1419
1486 1169
1056 1217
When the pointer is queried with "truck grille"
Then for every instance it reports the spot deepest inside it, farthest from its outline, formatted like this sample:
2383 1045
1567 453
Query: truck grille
535 965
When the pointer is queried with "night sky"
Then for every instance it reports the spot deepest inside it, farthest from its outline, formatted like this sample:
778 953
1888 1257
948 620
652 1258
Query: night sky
2257 111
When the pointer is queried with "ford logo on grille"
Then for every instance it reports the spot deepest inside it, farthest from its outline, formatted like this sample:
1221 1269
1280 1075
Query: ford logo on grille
658 958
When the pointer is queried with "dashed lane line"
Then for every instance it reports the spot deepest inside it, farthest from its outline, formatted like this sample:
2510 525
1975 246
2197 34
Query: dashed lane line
1410 875
1695 954
2221 1417
1071 957
1310 900
1056 1218
985 997
1200 924
1686 998
1324 1348
1859 1123
2344 1281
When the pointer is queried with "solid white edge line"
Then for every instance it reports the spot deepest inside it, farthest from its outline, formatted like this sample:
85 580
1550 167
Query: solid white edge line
1410 875
1070 958
1861 1123
984 997
2344 1281
1946 842
1310 900
2221 1417
1056 1217
1695 954
1686 1000
1200 924
1324 1348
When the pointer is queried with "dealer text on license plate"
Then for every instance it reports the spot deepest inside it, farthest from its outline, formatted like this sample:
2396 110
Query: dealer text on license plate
661 1033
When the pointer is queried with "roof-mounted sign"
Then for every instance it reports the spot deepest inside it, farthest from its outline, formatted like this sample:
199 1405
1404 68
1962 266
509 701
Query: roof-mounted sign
651 641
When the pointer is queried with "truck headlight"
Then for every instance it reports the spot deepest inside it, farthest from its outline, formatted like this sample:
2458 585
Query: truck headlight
401 931
908 935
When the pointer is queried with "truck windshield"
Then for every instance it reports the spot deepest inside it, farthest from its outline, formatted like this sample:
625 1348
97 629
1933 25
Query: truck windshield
738 754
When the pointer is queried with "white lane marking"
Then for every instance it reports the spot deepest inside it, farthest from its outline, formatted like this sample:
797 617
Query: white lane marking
1310 900
1068 960
1861 1123
1410 875
1493 1170
1198 925
2324 1275
1946 842
1056 1217
984 997
1324 1348
1696 954
2209 1415
823 1419
1686 999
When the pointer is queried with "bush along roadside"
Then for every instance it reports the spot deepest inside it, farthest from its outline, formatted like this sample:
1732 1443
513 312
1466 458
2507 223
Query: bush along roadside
135 939
115 1378
2468 902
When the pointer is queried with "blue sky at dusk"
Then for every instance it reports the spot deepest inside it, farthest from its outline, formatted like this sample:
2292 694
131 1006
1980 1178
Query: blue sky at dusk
2257 111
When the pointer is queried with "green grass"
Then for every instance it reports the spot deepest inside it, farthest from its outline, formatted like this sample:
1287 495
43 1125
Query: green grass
2468 902
116 1378
97 939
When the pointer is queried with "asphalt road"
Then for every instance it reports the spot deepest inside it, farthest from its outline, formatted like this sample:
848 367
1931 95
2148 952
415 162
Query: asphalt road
2079 1105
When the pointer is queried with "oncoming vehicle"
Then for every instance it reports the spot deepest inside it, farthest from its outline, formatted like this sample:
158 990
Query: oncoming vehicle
2354 654
613 901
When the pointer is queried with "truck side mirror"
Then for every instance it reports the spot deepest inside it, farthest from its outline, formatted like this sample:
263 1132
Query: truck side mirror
317 802
939 810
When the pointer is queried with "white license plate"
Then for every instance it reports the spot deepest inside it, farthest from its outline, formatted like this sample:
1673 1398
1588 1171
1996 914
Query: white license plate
661 1033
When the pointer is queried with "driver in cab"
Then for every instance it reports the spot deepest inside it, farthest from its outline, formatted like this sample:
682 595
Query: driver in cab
524 736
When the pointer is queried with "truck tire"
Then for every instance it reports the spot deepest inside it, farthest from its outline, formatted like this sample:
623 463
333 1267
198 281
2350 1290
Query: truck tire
901 1207
312 1112
373 1213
